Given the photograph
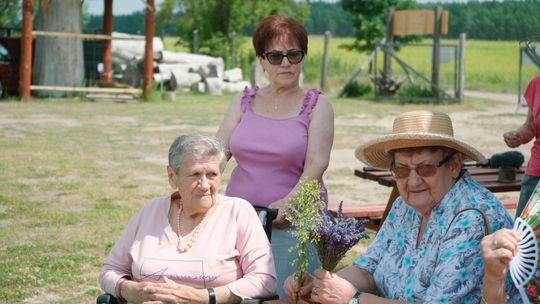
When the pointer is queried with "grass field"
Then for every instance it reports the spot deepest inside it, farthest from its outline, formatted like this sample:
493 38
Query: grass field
72 173
489 65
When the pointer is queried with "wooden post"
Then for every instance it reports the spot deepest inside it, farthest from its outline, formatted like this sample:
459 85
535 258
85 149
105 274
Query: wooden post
436 52
461 78
388 47
107 44
25 68
195 48
325 59
233 49
149 26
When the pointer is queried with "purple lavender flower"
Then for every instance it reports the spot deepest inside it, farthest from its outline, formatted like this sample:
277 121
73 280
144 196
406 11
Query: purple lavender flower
336 235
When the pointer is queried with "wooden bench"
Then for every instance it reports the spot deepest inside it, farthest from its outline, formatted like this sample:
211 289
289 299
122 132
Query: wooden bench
374 213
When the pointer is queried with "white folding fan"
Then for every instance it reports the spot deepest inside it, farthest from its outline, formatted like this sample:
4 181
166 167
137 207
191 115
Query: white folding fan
523 265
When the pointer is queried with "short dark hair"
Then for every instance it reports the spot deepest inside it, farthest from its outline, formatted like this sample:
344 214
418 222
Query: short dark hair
276 26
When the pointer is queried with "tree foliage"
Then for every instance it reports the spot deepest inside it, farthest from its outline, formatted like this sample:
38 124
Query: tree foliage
9 17
324 16
215 20
369 20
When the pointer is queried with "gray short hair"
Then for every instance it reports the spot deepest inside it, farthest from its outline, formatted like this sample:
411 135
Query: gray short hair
197 145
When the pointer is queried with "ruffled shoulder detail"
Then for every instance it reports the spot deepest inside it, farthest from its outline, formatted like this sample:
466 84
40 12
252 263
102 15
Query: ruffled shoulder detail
310 101
247 96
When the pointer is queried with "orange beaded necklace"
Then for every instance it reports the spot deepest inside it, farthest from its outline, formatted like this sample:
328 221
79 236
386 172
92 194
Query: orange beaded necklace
183 246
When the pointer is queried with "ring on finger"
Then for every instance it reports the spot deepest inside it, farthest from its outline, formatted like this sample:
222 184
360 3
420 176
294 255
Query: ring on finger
315 290
494 244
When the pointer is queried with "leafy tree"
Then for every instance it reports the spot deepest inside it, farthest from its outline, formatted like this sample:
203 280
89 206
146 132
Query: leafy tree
215 20
324 16
10 13
369 20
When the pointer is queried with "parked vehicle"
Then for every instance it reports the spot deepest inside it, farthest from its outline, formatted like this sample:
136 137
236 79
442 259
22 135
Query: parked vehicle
9 66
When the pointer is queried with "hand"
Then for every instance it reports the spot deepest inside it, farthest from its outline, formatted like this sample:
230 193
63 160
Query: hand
512 139
168 292
330 288
290 287
280 222
497 250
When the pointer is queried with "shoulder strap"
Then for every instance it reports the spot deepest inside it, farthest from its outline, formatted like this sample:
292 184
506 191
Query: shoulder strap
310 101
484 218
247 97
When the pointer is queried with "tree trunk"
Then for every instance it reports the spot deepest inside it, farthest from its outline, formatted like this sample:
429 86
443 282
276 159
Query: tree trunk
59 61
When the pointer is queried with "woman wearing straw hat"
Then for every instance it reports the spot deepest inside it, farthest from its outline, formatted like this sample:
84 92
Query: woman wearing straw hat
427 251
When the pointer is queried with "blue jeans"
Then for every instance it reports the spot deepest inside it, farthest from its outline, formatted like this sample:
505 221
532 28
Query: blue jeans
281 242
528 184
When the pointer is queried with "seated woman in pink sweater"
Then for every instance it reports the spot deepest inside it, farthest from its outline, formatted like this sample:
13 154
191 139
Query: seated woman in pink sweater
194 245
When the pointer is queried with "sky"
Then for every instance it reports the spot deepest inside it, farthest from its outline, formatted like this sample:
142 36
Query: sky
120 7
124 7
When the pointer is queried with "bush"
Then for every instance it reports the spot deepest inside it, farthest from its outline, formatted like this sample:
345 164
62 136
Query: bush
355 89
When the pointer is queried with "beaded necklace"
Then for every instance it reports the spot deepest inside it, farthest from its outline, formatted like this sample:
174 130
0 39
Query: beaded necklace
182 246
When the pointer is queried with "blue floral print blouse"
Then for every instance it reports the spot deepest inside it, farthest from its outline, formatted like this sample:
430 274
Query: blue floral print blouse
447 266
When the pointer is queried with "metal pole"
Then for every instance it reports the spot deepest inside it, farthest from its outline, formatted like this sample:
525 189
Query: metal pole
325 59
195 49
149 49
461 77
25 68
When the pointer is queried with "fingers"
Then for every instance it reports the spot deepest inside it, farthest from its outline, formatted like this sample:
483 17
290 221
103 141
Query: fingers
322 274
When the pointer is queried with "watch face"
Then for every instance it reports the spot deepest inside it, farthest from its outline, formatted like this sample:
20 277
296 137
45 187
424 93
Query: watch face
353 300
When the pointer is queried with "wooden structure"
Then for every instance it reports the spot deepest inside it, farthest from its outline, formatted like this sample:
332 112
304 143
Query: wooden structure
487 177
26 51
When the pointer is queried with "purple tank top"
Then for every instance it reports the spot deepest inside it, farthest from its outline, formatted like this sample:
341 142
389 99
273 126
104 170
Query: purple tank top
270 153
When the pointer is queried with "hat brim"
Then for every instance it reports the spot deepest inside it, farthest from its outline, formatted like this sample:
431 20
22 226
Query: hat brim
375 152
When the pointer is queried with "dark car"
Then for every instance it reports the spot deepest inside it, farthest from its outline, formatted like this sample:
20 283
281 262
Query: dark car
9 67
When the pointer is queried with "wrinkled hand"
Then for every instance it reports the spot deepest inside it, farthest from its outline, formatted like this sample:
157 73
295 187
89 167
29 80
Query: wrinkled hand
497 250
290 287
329 288
168 292
512 139
280 221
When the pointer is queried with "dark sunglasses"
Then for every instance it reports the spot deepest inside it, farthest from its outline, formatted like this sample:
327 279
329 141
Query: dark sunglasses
423 170
275 57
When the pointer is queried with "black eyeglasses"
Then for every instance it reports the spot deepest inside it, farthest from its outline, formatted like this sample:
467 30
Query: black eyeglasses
423 170
275 57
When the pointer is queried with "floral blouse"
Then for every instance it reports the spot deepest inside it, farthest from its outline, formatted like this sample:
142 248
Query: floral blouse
447 265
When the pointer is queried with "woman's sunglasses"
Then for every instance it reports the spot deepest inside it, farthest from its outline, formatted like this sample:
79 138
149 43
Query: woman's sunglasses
275 57
424 170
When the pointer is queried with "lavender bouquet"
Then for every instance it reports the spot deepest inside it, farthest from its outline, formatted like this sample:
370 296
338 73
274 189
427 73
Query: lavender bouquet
336 235
331 235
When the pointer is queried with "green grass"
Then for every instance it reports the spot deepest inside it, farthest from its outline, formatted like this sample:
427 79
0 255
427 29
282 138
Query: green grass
74 172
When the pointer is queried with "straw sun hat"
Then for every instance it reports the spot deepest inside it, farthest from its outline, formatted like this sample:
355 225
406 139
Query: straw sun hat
415 129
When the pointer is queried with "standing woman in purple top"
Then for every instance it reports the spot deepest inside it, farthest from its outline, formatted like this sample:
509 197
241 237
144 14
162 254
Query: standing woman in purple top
278 134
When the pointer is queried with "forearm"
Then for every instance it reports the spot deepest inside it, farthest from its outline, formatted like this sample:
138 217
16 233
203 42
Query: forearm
359 278
493 291
526 133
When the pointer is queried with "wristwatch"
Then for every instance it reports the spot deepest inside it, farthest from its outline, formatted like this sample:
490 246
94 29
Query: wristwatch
355 298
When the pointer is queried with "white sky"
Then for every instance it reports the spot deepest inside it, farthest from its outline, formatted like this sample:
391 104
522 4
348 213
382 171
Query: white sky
124 7
120 7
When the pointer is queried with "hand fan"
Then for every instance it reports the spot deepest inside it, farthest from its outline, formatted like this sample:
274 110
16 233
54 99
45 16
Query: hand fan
523 265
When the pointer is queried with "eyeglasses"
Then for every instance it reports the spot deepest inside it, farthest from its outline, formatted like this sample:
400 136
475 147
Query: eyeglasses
275 57
423 170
